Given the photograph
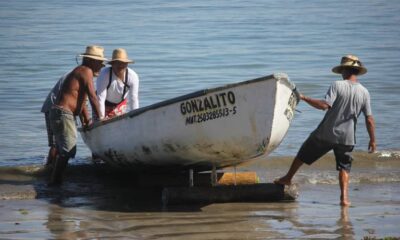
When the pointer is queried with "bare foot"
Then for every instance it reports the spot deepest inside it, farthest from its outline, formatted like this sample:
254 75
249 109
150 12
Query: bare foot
283 181
54 181
53 184
344 202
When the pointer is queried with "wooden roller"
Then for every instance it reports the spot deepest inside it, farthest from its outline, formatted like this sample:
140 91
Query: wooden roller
262 192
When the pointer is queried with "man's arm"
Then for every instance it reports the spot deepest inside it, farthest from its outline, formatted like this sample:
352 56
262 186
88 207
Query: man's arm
90 91
323 104
84 116
133 97
316 103
370 124
101 88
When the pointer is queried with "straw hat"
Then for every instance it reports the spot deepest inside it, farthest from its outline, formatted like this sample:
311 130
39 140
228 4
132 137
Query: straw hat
94 52
120 54
350 61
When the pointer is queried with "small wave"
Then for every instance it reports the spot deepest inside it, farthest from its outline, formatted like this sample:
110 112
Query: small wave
21 169
389 154
331 177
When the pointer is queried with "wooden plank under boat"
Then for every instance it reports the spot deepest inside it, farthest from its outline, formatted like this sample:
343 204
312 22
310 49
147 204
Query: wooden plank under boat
220 127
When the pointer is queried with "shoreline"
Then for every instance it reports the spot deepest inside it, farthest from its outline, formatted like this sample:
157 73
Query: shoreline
97 202
315 215
29 182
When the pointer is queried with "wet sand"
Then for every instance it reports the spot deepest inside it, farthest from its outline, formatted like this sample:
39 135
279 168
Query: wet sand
93 204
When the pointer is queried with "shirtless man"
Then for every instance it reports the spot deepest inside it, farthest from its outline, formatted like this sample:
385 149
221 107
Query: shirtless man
48 103
71 102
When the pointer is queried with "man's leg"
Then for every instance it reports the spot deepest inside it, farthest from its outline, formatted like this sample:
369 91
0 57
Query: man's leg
51 157
343 165
311 150
63 126
59 167
287 179
344 187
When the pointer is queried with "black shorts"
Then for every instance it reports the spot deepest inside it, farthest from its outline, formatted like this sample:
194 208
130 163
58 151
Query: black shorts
314 148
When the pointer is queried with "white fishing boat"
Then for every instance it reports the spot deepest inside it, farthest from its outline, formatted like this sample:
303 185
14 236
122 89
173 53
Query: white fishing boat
216 127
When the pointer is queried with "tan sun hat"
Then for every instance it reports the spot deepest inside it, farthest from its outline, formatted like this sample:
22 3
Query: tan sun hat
350 61
121 55
94 52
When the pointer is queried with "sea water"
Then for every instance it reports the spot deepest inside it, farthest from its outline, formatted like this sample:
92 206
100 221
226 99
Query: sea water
180 47
184 46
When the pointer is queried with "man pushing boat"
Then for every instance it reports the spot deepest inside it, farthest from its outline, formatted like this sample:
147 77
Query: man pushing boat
70 102
345 100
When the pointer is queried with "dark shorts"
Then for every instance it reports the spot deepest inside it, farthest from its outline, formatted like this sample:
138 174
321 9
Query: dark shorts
63 126
50 135
313 149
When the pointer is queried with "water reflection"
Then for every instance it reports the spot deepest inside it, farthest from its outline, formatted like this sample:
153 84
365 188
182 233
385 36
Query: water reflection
345 226
55 223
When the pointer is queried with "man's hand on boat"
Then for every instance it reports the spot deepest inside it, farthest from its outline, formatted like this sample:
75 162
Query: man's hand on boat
87 124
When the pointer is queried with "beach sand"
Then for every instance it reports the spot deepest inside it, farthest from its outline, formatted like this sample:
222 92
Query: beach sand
97 204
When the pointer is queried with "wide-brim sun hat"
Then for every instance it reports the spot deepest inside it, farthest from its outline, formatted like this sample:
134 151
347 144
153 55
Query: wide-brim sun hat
350 61
94 52
120 55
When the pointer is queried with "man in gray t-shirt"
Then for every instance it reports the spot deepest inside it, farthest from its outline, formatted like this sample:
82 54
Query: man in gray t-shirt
344 102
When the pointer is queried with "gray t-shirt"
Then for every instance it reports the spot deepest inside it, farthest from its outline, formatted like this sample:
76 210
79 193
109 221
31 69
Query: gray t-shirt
51 97
346 100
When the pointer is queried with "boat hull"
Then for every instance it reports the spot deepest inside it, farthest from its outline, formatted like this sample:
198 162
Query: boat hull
215 127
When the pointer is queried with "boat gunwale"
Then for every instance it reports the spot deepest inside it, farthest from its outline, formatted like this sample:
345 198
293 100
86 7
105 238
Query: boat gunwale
167 102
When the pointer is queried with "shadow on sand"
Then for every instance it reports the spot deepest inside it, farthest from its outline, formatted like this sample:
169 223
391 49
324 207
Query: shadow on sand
95 186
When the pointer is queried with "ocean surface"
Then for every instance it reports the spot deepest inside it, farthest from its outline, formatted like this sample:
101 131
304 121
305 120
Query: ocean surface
184 46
